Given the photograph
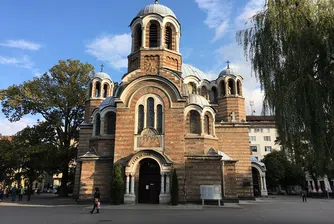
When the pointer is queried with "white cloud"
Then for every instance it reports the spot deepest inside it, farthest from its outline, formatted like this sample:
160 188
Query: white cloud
21 44
251 8
218 15
23 61
112 49
8 128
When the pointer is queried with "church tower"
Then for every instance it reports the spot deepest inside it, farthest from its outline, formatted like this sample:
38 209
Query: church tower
155 41
231 103
100 87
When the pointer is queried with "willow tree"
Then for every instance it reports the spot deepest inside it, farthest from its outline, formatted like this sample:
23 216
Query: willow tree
291 48
59 97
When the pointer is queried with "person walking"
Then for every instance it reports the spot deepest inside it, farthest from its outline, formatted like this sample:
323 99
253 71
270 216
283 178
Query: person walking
21 192
2 195
14 189
304 195
96 200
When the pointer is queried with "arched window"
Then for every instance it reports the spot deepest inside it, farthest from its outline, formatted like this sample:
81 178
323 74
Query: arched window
231 87
214 95
97 89
97 125
207 124
195 122
154 35
90 90
138 38
111 119
159 119
169 38
239 88
191 88
141 117
105 90
222 88
204 92
150 113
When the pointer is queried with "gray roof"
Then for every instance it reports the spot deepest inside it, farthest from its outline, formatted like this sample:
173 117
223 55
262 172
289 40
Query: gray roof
197 100
109 101
102 75
189 70
228 71
156 8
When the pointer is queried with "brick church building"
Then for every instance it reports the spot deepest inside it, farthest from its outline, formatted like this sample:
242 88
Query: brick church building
163 116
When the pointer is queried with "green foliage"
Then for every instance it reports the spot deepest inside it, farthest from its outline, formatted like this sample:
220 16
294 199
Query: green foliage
117 185
175 189
8 163
282 171
291 48
59 96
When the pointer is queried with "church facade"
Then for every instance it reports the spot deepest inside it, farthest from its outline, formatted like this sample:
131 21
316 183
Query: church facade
163 116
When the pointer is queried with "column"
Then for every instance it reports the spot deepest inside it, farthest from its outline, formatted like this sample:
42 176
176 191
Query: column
132 184
167 184
162 183
127 183
102 126
264 183
143 38
202 125
162 42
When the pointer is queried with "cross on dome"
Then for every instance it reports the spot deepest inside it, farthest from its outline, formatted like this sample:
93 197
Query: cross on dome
228 64
156 2
102 66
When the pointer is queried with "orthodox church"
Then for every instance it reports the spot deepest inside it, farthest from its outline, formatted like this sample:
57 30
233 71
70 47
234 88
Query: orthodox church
162 116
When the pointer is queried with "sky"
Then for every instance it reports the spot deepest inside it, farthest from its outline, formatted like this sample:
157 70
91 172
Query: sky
38 33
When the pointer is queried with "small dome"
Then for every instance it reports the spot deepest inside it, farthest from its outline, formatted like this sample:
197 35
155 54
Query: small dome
189 70
156 8
102 75
108 102
197 100
228 71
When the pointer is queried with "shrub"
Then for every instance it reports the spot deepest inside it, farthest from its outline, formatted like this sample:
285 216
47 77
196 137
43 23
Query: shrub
117 185
175 189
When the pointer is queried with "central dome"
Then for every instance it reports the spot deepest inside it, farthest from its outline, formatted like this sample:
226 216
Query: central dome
157 9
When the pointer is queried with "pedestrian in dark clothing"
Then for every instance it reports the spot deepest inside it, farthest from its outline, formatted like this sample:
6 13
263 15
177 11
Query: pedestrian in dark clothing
2 195
304 196
29 192
14 193
96 201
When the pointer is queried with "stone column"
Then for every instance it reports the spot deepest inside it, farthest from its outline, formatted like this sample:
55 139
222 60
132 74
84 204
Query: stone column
162 42
127 183
132 184
162 191
102 126
202 126
261 178
167 184
264 183
143 38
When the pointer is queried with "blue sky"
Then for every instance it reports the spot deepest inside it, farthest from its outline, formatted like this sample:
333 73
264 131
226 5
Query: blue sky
38 33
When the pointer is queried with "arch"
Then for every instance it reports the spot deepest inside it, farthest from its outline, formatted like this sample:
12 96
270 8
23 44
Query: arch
110 123
97 89
105 92
239 88
256 182
90 91
204 92
259 180
150 113
168 38
214 95
207 124
222 86
137 40
192 88
195 122
154 34
97 124
231 87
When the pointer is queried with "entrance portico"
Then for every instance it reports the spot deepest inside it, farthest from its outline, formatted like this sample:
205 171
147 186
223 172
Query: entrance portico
148 175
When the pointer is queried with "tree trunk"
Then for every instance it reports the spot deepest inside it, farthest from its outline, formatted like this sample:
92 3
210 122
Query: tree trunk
63 191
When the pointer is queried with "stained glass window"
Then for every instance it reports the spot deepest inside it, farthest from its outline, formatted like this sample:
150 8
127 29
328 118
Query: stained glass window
195 122
140 118
159 118
97 125
150 113
111 123
206 125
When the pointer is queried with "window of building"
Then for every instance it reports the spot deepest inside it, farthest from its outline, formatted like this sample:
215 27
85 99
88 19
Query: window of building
258 130
141 117
138 38
268 130
231 87
239 88
90 90
206 124
97 89
195 122
153 35
169 38
267 148
159 118
267 138
222 88
111 123
253 148
150 113
214 95
252 138
105 90
97 125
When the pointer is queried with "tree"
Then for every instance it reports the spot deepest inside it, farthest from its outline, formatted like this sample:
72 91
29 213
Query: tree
59 96
117 185
175 189
291 48
8 161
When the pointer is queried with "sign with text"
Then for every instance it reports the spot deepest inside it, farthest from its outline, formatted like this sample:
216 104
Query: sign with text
211 192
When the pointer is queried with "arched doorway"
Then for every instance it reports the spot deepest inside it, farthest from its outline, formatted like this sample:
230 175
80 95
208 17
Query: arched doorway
149 182
256 182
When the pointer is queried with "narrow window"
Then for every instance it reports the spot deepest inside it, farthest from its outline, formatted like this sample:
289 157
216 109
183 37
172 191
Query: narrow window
138 38
214 95
159 119
222 88
169 38
231 87
105 91
150 113
239 88
140 118
111 123
97 125
207 124
195 122
204 92
153 35
97 89
90 90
